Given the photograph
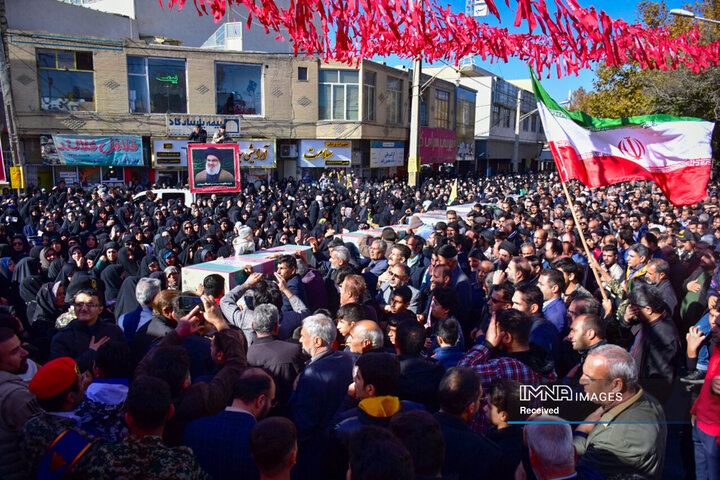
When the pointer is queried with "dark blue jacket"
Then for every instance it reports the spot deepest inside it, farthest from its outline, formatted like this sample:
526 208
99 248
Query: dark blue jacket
545 334
448 356
296 286
221 444
321 388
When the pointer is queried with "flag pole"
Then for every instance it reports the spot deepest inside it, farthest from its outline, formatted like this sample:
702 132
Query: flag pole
582 239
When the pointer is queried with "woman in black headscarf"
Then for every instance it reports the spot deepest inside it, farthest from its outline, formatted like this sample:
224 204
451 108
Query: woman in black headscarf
20 247
50 305
112 276
66 273
148 265
26 267
47 255
126 259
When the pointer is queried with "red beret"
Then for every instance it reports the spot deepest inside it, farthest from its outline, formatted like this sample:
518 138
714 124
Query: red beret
54 377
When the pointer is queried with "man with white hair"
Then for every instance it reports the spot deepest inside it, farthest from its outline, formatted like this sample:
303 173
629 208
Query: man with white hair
627 434
550 445
244 242
321 387
145 292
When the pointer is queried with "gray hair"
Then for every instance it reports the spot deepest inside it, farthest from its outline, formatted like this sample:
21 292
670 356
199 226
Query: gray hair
322 326
552 441
266 318
381 244
619 362
146 290
376 337
342 253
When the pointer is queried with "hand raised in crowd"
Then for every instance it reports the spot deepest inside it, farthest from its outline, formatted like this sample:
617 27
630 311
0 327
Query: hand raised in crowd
694 286
253 279
494 334
189 324
591 421
94 345
695 339
212 313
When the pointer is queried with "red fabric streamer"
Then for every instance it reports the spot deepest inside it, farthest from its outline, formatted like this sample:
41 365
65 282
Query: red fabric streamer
571 38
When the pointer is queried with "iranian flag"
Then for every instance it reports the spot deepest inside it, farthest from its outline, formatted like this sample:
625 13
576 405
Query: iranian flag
673 152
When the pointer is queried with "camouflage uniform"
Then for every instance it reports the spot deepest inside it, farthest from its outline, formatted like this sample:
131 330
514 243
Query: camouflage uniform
39 432
142 458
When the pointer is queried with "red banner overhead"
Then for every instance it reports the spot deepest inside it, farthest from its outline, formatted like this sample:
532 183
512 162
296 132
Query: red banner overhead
569 38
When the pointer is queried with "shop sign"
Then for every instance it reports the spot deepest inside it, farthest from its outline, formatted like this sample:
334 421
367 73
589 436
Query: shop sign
117 150
170 153
325 153
387 154
437 145
257 153
180 125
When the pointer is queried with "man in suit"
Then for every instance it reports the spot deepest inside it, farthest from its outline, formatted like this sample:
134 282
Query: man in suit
214 172
221 442
283 360
399 275
321 388
460 396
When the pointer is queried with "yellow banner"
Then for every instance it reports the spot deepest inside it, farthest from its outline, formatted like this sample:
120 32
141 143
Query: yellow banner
413 164
17 179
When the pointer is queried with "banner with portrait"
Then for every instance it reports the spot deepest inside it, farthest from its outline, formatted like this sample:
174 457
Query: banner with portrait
214 168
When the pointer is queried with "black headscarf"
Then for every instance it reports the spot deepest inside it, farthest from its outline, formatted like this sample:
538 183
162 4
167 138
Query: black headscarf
112 277
29 288
125 301
26 267
130 266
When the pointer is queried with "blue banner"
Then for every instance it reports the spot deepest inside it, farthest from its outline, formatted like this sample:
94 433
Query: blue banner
117 150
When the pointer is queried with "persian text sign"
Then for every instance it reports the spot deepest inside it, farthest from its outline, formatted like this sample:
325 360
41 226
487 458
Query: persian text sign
182 125
170 153
257 153
117 150
325 153
387 154
437 145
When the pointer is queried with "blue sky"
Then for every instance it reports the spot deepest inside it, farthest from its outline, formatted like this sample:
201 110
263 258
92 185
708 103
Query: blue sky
557 88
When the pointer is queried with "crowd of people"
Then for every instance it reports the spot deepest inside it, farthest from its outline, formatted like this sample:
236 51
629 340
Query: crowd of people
488 345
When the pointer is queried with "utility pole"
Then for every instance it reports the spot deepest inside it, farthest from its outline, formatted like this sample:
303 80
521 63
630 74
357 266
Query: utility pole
516 144
7 91
414 147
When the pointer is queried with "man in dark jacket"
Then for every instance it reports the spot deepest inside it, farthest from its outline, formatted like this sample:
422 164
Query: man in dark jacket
321 387
657 344
286 266
419 376
169 361
283 360
83 336
469 455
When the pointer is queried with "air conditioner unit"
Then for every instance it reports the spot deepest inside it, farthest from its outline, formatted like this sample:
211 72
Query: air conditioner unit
288 151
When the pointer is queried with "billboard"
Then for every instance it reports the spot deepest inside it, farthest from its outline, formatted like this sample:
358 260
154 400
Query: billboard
325 153
214 168
387 154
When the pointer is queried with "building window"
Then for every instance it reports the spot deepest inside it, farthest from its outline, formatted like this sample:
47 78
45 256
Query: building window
156 85
66 80
495 115
534 123
302 74
423 111
238 88
526 123
442 109
394 100
506 117
338 92
465 101
369 96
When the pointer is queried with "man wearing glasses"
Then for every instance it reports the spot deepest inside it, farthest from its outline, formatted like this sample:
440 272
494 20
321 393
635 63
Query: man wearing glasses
83 336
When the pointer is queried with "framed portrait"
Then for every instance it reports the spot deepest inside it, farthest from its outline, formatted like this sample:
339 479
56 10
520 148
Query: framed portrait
214 167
